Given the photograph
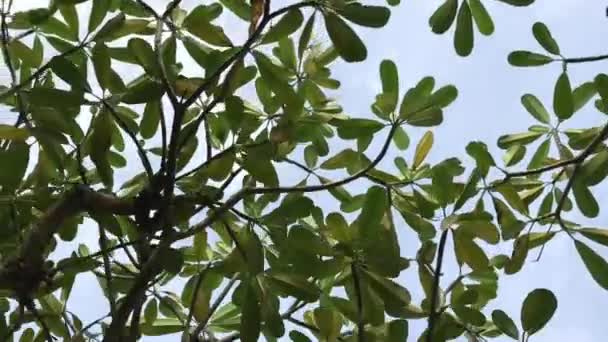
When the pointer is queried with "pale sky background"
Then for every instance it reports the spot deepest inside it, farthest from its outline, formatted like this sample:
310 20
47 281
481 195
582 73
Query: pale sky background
488 106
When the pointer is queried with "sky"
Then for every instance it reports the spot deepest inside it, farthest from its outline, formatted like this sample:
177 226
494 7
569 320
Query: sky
488 106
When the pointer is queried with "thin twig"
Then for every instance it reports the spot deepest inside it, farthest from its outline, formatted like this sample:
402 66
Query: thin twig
199 282
32 308
140 149
103 243
158 50
201 326
234 199
585 59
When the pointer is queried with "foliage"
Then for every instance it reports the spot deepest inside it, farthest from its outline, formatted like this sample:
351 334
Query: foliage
241 255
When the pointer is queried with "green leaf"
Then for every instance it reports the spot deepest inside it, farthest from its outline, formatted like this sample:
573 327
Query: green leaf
518 3
261 169
150 119
514 155
162 326
426 118
397 331
540 156
470 253
288 24
98 13
563 103
15 159
8 132
544 38
528 59
68 72
416 99
535 108
350 47
99 145
102 65
172 260
537 309
23 52
369 16
69 14
469 315
110 27
484 230
422 149
143 53
601 84
297 336
595 169
598 235
239 7
444 96
151 312
401 139
306 35
505 324
585 200
463 36
391 292
479 152
329 322
526 138
377 236
582 94
389 75
444 16
483 20
198 22
295 286
374 207
596 265
143 91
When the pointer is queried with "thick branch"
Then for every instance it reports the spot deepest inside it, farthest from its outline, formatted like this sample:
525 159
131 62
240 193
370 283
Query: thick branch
31 253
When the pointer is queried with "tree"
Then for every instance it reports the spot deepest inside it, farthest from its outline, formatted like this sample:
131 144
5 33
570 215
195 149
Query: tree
266 259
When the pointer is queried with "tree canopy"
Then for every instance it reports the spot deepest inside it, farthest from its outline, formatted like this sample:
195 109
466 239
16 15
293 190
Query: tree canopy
210 208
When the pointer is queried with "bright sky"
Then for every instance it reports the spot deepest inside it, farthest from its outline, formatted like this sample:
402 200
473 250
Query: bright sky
488 106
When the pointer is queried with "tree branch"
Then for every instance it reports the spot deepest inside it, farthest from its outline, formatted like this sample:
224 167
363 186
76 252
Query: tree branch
575 160
234 199
11 69
103 243
435 292
161 64
14 89
29 257
140 149
244 49
359 295
201 326
585 59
